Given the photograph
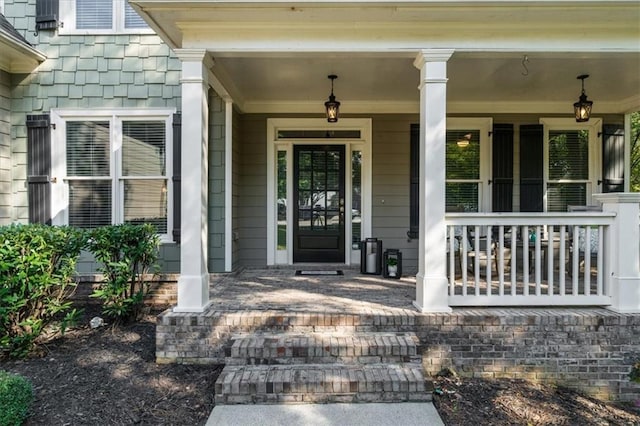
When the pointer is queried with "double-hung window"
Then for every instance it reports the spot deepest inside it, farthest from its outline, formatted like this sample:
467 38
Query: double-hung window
571 162
101 17
112 168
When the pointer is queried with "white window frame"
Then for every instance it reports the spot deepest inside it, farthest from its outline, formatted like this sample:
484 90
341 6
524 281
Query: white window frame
484 126
68 19
594 126
60 187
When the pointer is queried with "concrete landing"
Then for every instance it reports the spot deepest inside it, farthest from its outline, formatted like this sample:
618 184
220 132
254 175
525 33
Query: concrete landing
372 414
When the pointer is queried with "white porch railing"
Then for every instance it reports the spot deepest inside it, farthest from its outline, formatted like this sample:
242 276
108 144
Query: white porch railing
528 259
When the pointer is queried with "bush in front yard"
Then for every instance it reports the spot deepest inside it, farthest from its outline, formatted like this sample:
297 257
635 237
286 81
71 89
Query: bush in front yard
126 253
37 264
16 395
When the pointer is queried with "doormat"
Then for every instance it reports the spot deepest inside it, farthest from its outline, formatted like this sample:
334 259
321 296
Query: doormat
312 273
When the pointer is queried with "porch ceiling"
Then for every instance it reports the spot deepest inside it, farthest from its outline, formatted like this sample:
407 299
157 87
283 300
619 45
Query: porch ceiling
274 56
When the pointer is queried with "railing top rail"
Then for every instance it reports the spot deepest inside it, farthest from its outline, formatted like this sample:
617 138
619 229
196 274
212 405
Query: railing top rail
531 219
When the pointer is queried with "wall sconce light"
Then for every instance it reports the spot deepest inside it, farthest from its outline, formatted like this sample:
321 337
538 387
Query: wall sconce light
464 141
332 106
582 108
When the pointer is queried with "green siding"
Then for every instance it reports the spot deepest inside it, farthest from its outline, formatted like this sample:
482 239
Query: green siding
5 149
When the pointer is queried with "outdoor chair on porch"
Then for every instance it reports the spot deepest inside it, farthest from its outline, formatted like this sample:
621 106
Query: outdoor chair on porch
486 252
579 242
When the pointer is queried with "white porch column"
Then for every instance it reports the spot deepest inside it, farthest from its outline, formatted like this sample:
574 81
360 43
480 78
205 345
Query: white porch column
622 250
193 284
431 280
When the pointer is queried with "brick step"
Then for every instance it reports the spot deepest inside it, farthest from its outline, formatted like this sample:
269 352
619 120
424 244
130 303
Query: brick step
321 383
320 348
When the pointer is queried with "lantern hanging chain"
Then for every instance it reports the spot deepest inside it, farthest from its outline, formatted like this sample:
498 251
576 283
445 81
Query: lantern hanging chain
525 61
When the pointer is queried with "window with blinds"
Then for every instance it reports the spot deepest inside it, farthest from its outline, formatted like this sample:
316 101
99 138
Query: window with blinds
106 16
117 172
568 169
144 173
462 170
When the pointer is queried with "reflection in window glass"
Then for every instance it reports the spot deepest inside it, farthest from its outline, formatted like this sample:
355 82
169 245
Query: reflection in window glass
462 170
282 200
356 199
568 169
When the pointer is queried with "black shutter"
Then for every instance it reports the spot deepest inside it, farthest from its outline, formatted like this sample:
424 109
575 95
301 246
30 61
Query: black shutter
176 178
531 178
46 15
39 168
502 180
612 158
414 182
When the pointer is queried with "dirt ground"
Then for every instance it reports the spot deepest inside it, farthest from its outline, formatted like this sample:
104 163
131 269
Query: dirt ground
107 376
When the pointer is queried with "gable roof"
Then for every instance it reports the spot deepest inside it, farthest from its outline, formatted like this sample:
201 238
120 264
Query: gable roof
17 55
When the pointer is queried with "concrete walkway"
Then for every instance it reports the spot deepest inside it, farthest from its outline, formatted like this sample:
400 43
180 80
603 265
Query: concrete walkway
369 414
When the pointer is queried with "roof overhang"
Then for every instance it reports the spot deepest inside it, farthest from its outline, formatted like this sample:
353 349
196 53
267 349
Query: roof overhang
17 57
274 56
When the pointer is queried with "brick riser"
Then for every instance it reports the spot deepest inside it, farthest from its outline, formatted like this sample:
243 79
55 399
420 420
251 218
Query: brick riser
358 348
282 384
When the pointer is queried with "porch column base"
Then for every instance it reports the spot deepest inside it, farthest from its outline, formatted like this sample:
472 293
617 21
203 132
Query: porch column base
431 294
193 293
627 295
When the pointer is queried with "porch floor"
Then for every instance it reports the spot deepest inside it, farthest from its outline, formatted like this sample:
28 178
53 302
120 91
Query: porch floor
281 290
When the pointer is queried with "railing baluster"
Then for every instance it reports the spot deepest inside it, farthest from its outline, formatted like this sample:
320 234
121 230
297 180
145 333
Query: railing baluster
487 247
575 273
563 236
525 259
600 260
464 255
514 262
476 264
587 261
501 260
550 254
538 261
451 260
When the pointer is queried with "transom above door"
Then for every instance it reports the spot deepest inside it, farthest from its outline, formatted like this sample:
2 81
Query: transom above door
318 190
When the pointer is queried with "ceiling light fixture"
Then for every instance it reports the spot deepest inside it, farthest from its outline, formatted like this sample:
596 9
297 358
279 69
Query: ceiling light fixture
464 141
332 106
582 108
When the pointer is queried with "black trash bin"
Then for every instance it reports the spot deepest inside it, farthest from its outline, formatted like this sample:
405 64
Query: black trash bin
371 256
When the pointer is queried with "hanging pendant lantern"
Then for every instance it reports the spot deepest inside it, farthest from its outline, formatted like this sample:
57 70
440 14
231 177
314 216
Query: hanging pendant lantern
582 108
332 106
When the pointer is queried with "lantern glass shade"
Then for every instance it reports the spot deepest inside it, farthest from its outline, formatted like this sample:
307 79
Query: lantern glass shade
333 109
582 109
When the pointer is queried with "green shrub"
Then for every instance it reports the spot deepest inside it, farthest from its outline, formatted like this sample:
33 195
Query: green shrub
126 253
16 395
37 264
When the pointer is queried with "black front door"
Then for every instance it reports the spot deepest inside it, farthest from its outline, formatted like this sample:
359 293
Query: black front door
318 230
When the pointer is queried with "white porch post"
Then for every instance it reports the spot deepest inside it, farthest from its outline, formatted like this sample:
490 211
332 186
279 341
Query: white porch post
622 250
431 280
193 284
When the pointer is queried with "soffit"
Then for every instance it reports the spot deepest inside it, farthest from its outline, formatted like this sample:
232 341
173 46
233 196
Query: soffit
275 56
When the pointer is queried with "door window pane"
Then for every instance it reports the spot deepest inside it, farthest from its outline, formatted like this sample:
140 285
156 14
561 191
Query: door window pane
356 199
282 200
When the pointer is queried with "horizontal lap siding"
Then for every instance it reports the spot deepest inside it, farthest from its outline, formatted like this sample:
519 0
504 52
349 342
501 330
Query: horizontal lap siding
390 174
251 210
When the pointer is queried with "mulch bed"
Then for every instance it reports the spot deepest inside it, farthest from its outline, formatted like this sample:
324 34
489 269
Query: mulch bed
108 376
